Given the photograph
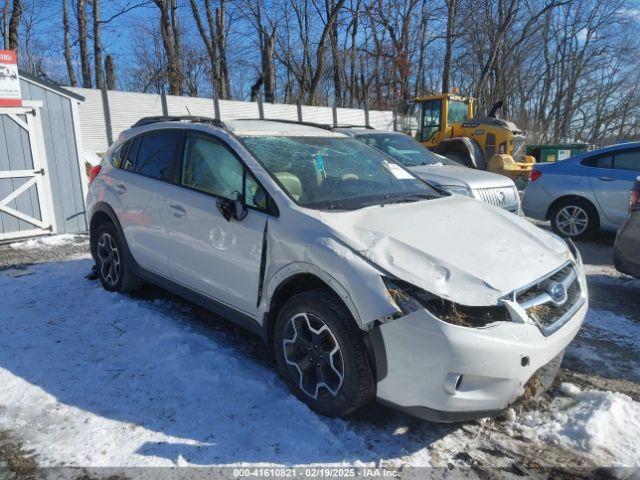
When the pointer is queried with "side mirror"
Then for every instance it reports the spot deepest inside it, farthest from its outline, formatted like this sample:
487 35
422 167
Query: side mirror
232 208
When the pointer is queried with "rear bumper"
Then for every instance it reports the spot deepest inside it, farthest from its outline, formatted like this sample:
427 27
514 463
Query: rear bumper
536 201
444 372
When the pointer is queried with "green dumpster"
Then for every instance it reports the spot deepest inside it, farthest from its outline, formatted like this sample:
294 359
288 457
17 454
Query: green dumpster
555 152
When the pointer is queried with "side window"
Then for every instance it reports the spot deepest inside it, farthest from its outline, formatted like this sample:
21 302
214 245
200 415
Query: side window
128 159
116 156
629 160
156 154
599 161
209 166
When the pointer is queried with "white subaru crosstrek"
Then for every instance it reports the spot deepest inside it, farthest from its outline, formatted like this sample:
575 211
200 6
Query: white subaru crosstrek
365 281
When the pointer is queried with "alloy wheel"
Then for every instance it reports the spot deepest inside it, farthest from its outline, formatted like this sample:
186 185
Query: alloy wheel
313 356
572 220
109 258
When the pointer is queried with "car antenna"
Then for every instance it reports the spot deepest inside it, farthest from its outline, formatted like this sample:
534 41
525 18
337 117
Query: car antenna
187 107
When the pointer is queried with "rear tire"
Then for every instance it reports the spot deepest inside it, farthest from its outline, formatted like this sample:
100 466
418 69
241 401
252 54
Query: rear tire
115 271
328 370
574 218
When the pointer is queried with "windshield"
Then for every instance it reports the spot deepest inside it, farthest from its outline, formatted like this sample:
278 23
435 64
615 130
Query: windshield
335 172
404 149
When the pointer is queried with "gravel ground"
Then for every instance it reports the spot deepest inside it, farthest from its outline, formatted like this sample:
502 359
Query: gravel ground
10 256
483 446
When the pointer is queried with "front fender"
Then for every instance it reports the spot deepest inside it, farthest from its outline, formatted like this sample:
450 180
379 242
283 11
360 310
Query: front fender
351 277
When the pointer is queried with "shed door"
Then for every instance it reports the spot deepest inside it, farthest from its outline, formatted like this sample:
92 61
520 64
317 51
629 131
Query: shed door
26 206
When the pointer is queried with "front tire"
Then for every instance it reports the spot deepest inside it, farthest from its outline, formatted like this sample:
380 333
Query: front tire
574 218
321 355
115 270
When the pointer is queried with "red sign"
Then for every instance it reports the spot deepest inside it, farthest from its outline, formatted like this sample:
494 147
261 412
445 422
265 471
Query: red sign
9 79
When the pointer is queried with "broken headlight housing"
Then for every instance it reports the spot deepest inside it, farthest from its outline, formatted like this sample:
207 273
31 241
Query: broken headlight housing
410 298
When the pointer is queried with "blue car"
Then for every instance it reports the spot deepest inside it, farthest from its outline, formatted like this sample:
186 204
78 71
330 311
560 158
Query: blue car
584 193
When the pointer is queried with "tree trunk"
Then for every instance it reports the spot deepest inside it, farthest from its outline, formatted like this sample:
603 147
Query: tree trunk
97 47
14 24
268 66
5 23
67 46
452 6
335 58
83 42
225 87
320 52
110 68
170 33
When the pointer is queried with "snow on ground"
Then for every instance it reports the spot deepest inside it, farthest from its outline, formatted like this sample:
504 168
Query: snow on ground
610 343
47 242
91 378
604 424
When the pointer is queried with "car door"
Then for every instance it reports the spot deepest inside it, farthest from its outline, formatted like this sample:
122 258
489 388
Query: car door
140 183
612 176
215 256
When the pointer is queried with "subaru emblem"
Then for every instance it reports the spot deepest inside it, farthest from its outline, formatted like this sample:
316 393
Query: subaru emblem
557 292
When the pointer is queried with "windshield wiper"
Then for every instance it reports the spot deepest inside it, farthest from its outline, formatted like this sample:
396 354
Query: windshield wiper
415 197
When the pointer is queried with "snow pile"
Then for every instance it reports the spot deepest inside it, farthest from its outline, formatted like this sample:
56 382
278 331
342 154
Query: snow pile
45 242
605 425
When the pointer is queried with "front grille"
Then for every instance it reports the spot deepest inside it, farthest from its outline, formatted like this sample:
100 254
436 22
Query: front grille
543 303
504 197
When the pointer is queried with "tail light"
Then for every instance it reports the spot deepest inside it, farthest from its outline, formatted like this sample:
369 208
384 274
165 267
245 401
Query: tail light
93 173
534 175
634 202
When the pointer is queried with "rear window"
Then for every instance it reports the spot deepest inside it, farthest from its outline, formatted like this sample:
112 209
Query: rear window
599 161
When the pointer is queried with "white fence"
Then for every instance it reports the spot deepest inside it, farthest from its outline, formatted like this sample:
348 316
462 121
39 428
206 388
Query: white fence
126 108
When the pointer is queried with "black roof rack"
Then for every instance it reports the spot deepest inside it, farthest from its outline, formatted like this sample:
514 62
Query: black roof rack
179 118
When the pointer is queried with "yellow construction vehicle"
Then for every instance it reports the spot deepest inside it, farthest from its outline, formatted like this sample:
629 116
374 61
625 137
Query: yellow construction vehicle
446 124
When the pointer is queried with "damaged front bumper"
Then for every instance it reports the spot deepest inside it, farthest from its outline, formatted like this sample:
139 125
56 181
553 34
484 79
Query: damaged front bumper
447 373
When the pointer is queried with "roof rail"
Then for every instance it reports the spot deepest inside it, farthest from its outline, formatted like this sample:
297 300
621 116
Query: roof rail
324 126
347 125
179 118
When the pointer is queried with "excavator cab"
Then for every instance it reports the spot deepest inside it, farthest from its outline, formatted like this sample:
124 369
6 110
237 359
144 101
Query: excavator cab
447 124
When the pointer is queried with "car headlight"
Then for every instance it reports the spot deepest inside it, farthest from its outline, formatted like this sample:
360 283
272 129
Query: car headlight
410 298
457 190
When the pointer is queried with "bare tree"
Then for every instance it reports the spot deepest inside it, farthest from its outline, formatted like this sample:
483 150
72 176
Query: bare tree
83 42
67 46
97 46
110 72
170 33
214 39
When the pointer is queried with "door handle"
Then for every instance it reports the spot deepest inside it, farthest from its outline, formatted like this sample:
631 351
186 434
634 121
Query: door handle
607 179
178 210
121 189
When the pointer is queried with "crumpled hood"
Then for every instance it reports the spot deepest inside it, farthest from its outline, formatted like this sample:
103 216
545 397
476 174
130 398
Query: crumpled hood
455 247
